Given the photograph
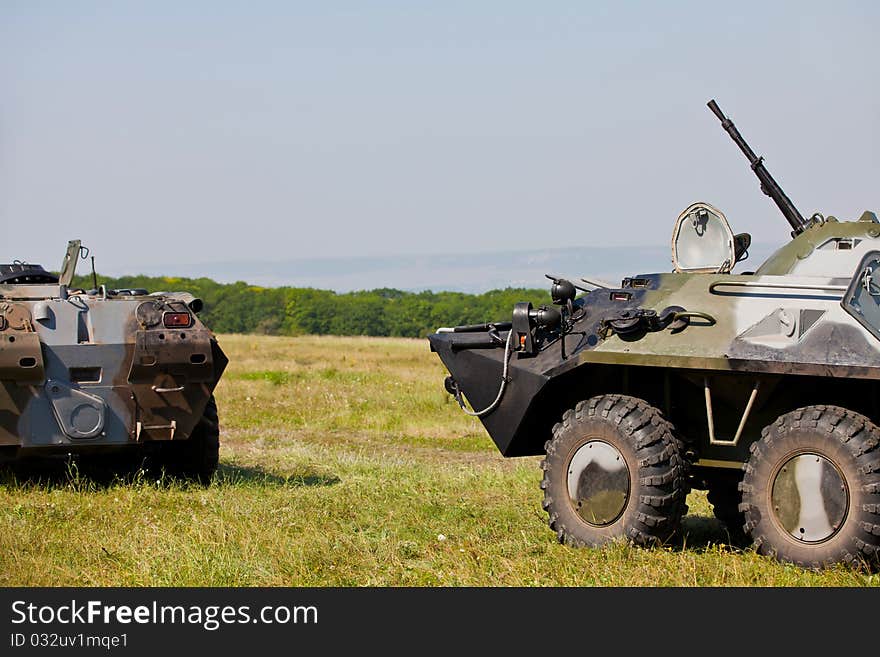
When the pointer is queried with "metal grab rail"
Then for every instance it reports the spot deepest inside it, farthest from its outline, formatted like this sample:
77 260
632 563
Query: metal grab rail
163 390
713 287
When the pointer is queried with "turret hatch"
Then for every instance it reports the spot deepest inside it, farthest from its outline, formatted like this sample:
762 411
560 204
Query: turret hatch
702 241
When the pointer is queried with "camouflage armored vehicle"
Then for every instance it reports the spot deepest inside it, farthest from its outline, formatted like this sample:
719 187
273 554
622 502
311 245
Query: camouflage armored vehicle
761 387
111 377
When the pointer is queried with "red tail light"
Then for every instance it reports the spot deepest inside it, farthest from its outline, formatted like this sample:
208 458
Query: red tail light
177 320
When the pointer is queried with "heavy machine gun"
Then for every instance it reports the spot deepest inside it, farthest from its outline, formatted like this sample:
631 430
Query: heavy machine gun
768 185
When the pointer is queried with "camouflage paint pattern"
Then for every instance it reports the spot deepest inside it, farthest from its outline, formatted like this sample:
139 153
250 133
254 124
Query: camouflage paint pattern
761 387
83 371
783 323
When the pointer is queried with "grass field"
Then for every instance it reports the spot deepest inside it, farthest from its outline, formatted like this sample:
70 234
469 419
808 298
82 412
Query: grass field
343 462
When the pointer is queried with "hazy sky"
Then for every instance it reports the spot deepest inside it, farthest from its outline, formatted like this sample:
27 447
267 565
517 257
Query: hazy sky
162 132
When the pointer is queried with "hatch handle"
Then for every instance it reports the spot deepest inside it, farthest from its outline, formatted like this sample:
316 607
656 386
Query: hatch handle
164 390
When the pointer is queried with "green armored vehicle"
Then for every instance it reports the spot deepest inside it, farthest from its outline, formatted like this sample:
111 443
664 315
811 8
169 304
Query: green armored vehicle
762 388
111 377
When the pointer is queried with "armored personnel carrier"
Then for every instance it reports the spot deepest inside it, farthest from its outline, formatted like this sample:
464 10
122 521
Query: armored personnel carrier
108 376
761 387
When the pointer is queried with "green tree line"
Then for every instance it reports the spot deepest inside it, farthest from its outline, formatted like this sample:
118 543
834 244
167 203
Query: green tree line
243 308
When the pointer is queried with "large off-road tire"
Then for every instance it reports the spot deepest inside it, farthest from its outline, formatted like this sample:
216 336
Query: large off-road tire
197 457
614 470
811 489
725 498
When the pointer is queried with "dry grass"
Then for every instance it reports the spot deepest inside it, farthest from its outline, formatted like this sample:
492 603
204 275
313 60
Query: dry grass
343 462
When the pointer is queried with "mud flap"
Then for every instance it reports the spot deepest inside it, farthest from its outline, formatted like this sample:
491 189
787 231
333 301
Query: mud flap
172 376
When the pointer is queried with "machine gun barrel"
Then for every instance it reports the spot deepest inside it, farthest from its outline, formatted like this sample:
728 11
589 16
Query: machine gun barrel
768 185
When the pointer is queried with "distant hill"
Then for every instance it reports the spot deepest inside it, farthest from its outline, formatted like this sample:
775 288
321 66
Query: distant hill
470 272
244 308
409 296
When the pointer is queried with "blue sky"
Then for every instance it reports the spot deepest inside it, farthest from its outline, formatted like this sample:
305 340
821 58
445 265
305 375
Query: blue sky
163 132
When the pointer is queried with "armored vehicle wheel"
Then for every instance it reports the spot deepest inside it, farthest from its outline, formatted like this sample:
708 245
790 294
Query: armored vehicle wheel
811 490
614 469
725 498
197 457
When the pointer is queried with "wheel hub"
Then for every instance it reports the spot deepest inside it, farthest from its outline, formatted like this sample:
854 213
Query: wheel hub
598 482
809 498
